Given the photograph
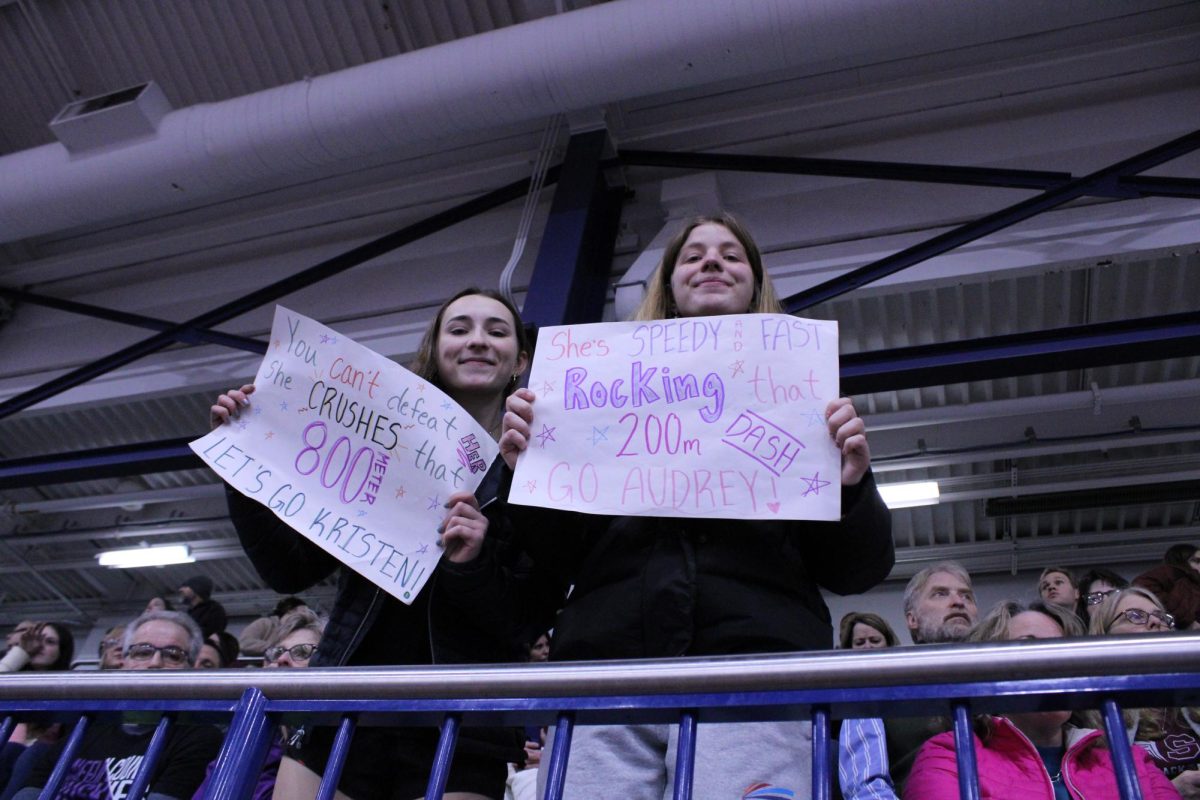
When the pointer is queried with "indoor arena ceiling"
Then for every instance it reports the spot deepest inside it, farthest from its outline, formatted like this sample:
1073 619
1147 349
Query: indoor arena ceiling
1090 463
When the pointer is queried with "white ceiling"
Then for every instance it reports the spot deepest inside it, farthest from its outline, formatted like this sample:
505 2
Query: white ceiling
1068 87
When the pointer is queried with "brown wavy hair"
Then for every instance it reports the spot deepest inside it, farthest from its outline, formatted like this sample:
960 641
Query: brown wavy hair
659 302
846 628
424 363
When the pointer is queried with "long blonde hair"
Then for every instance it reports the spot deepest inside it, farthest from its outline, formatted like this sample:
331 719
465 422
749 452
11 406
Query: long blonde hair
1151 723
659 302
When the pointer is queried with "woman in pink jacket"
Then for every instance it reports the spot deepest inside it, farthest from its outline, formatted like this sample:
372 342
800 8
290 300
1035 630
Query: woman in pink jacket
1036 755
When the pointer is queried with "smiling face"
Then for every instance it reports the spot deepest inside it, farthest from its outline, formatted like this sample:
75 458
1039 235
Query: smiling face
712 274
1056 588
864 637
477 348
944 611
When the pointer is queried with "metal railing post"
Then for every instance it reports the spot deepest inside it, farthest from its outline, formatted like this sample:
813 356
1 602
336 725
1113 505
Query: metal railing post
964 748
685 756
560 753
1122 756
822 758
443 757
158 743
337 759
242 753
65 758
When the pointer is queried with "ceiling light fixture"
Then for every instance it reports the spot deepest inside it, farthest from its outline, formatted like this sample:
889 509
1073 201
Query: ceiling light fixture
907 495
146 556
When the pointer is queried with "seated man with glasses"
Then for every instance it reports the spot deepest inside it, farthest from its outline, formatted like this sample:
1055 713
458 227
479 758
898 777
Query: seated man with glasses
110 753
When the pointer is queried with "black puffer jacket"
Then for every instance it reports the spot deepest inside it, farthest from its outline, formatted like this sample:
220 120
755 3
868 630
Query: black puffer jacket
474 610
649 587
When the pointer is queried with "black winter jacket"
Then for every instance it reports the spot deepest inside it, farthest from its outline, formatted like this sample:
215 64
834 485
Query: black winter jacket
474 609
473 614
650 587
209 615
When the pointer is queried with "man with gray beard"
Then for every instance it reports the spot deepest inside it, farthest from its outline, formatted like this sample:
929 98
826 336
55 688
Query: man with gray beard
939 604
939 608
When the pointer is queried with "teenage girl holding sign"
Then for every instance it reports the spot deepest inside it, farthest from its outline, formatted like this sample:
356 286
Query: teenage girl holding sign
474 351
652 587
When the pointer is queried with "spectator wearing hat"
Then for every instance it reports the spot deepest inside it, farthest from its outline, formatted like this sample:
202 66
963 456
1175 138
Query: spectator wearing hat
196 596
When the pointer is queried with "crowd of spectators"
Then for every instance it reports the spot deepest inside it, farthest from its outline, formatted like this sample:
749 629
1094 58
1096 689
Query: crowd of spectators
1054 755
110 753
910 758
621 587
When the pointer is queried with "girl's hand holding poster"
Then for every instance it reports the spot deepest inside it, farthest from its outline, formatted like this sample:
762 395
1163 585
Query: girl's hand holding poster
705 417
352 450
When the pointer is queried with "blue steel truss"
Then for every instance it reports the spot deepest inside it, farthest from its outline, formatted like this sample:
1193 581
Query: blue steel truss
583 222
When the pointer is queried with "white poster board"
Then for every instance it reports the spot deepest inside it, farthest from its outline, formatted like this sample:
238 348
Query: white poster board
701 417
352 450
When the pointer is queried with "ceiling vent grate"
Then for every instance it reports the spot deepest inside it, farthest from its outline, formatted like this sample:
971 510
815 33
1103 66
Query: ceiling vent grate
111 119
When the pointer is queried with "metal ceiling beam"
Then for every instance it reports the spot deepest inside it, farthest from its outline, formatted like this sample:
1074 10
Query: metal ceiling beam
1101 344
270 293
570 277
25 568
1037 179
1162 186
1103 180
1121 342
1113 493
185 336
104 462
881 462
1074 550
174 494
115 533
848 168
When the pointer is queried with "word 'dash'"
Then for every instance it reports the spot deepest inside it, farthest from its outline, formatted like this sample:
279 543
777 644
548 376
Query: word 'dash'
710 416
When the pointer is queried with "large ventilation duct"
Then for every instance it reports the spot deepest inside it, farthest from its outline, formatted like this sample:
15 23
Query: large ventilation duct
408 104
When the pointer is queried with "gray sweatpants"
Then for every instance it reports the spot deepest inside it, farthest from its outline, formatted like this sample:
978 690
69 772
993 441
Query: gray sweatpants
734 760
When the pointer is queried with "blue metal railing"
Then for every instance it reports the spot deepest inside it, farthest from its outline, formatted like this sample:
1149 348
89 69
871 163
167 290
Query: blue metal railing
955 681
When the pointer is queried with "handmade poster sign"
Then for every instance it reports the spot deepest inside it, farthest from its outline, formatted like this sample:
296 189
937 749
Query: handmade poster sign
699 417
352 450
